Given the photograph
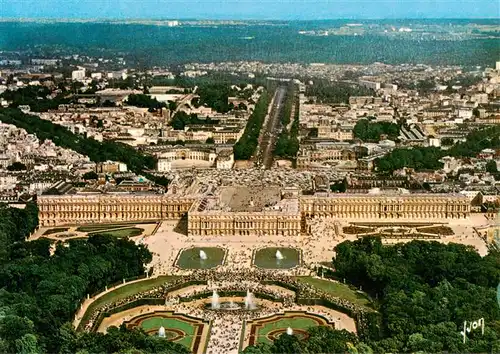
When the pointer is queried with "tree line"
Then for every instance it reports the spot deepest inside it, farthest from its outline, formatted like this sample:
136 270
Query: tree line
246 145
287 145
95 150
335 92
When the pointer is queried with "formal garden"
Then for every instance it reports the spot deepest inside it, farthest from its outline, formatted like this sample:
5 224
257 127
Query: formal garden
403 230
268 329
118 230
189 331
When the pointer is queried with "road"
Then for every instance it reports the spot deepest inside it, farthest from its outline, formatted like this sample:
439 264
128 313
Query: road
271 131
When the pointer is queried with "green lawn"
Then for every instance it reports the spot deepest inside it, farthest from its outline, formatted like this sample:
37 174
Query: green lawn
154 323
282 324
338 290
100 227
266 258
93 228
190 258
125 291
56 230
128 232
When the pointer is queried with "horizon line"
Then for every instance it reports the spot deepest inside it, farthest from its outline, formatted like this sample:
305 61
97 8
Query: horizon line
236 19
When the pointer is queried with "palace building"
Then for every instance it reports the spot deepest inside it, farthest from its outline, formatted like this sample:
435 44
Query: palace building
73 209
385 206
245 211
238 210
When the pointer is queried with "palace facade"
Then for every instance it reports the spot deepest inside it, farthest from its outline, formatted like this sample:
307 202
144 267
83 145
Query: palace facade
219 214
283 219
74 209
385 206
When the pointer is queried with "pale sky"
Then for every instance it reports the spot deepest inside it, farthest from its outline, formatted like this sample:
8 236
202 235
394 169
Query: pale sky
245 9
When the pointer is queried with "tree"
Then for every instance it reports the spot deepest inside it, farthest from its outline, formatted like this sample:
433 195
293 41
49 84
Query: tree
446 141
90 175
491 166
27 344
210 141
144 101
17 166
246 145
423 301
335 92
367 131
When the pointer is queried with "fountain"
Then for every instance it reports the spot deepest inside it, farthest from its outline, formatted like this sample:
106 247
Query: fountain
249 301
289 331
203 255
215 301
279 256
231 305
161 332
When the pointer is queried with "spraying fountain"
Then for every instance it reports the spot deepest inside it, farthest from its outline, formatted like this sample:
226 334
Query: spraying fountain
249 301
289 331
203 255
279 256
161 332
231 305
215 301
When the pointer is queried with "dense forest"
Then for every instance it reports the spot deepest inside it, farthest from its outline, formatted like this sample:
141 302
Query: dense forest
40 293
423 291
278 43
426 291
246 145
338 92
427 158
95 150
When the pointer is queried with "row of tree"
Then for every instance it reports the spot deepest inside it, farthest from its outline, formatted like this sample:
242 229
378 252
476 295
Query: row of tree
337 92
424 158
246 145
95 150
287 145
